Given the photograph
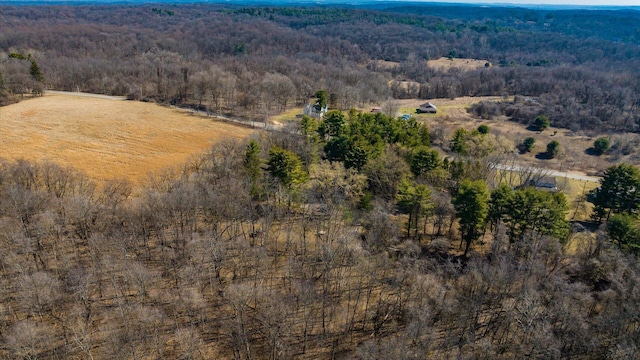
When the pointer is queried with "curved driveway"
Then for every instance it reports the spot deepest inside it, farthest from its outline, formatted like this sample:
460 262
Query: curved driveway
548 172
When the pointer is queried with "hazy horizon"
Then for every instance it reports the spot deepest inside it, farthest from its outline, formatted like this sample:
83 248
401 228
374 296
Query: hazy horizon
544 2
525 3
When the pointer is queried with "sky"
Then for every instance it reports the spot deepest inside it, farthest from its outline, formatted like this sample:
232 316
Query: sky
554 2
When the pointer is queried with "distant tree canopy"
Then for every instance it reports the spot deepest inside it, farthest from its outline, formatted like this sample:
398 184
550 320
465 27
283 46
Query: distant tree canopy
35 72
471 207
321 99
478 144
459 142
332 125
253 165
309 128
424 159
499 204
286 166
365 135
18 78
19 56
541 122
529 212
483 129
619 192
285 51
553 149
414 200
624 229
601 145
528 144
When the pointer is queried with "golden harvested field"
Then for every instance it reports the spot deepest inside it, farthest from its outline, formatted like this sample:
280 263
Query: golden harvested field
107 139
289 115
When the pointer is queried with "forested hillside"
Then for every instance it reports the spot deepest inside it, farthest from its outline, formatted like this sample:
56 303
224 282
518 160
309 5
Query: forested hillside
581 66
252 253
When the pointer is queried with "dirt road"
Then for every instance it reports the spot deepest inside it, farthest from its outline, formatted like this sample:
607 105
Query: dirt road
548 172
252 124
82 94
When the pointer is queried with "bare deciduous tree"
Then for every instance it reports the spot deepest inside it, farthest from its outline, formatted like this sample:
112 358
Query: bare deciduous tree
29 340
39 292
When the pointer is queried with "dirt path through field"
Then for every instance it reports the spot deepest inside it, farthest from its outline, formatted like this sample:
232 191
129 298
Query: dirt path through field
577 175
83 94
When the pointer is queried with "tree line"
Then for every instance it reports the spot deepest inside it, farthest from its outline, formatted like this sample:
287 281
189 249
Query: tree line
256 61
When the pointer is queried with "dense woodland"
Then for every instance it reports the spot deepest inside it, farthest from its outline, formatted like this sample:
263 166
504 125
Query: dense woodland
346 237
580 66
264 249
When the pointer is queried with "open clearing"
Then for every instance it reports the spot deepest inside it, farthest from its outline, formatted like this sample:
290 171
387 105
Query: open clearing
445 64
452 108
107 139
452 114
442 64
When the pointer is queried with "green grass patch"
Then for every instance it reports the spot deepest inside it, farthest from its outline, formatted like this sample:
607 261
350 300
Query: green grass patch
289 115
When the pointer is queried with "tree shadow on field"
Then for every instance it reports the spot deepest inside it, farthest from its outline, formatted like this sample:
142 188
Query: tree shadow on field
534 128
543 156
591 152
522 149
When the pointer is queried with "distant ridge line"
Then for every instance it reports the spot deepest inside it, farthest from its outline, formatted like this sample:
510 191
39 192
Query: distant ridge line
348 3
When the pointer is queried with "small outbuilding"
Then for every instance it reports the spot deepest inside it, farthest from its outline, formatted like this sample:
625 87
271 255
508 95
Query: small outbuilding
427 108
548 183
